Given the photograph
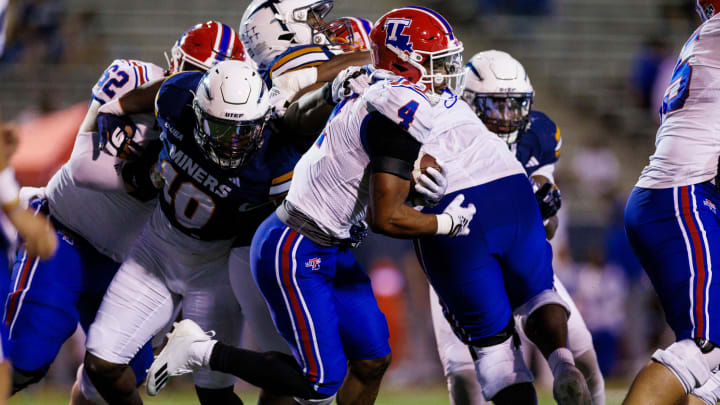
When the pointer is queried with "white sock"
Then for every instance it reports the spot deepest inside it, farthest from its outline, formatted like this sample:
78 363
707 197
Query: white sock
200 352
558 357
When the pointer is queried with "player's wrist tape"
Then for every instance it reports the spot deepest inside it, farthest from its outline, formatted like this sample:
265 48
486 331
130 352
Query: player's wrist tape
112 107
444 224
9 188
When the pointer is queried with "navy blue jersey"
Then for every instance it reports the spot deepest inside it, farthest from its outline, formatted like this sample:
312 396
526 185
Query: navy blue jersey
539 144
201 199
295 58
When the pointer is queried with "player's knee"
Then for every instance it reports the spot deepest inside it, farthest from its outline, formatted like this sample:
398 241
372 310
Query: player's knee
546 307
371 369
691 361
213 396
100 370
22 378
500 365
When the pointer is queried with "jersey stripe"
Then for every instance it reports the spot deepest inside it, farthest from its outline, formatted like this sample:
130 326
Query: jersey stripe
699 260
558 139
281 179
295 55
138 73
413 89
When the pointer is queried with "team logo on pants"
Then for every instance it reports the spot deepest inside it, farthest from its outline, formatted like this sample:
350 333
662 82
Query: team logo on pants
314 263
710 205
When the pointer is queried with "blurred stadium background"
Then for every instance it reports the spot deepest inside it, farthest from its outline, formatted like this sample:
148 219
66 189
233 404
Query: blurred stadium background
599 68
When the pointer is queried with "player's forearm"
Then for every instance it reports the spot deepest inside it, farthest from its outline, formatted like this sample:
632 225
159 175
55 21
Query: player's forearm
404 223
330 69
307 116
35 230
388 214
141 99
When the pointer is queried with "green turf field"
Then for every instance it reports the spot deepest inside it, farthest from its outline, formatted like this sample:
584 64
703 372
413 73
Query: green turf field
420 396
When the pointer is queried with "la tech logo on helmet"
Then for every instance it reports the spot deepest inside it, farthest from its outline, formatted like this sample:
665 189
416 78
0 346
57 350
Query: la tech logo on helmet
394 28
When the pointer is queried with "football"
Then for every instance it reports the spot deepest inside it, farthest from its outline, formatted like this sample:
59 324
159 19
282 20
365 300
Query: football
426 161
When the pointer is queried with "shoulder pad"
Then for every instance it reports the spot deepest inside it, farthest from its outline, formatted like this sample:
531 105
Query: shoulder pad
547 133
176 92
122 76
405 104
298 57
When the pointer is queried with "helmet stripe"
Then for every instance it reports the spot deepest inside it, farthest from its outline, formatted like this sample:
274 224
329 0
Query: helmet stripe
366 25
224 41
472 67
437 16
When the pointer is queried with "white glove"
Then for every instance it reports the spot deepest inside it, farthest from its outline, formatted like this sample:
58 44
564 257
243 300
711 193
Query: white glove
286 87
354 79
431 186
455 220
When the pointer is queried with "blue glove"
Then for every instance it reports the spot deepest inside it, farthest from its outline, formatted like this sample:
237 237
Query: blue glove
116 134
549 199
358 234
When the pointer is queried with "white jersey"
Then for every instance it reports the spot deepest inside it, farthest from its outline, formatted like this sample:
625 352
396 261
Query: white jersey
331 181
470 153
688 140
109 221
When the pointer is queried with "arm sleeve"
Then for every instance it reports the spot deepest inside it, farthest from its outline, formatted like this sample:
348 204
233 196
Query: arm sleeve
92 169
391 149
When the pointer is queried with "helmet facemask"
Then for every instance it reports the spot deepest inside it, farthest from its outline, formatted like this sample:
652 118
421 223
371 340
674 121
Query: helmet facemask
441 72
314 17
339 34
505 114
228 143
706 10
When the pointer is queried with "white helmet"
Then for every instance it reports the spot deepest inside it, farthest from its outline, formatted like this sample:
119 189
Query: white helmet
231 106
499 91
269 27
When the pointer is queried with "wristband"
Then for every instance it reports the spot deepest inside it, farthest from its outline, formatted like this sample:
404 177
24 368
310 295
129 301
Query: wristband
112 107
9 188
444 224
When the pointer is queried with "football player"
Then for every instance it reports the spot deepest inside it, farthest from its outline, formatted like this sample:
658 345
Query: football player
672 224
499 91
320 299
218 164
99 206
295 49
35 230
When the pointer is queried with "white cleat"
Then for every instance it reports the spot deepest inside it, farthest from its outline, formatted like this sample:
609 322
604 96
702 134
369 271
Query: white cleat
176 358
569 387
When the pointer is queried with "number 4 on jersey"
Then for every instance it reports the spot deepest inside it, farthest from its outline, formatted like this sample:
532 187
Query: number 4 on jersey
678 90
407 114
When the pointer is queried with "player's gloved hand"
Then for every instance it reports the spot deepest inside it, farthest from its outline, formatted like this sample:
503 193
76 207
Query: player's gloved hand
455 220
286 87
354 79
116 134
358 233
549 199
429 186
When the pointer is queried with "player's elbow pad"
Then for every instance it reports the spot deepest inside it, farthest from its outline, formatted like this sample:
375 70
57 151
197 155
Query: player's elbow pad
392 149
